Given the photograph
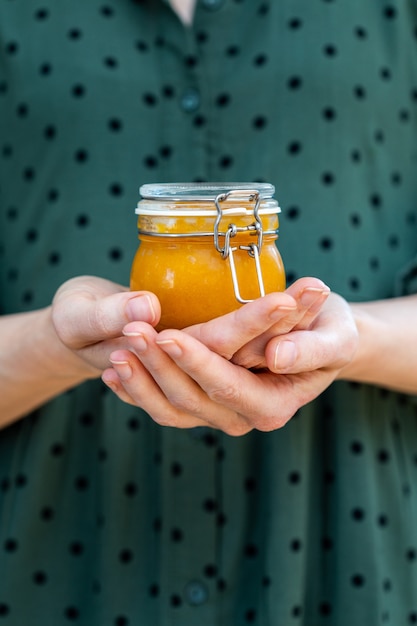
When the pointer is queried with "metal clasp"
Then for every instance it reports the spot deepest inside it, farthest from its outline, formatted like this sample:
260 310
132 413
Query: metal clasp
253 249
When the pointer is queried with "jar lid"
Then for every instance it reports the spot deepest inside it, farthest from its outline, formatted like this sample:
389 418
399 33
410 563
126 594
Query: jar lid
202 191
170 193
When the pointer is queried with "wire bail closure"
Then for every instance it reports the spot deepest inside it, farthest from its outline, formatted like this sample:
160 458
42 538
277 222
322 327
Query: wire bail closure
254 249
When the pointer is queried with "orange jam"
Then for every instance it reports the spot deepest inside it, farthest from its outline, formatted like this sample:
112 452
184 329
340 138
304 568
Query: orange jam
195 275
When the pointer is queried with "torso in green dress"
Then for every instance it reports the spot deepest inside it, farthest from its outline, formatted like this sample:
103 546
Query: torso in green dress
107 519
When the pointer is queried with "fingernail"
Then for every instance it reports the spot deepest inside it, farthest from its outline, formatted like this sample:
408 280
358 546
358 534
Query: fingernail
281 310
170 347
110 384
123 369
285 355
310 295
141 309
140 344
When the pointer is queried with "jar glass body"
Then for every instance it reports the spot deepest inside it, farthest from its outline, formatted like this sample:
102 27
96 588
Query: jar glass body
177 258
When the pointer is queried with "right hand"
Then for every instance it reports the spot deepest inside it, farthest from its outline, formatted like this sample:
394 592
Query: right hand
88 315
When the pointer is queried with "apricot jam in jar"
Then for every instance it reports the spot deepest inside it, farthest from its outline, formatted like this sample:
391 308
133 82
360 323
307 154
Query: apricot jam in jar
206 249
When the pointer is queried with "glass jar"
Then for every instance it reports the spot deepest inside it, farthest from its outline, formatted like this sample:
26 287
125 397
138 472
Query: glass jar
206 249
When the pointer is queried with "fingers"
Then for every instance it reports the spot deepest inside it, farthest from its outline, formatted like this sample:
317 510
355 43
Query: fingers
88 310
193 377
309 299
167 392
226 334
189 385
330 343
134 384
277 313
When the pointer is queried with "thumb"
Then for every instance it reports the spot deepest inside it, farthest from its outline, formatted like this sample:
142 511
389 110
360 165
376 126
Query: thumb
305 351
82 317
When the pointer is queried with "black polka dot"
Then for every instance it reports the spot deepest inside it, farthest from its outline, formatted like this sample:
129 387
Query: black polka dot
111 62
357 580
81 483
76 548
382 520
74 34
330 50
72 613
327 544
10 545
225 162
260 60
357 447
40 578
78 91
329 114
150 162
133 424
390 12
326 243
116 189
176 600
47 513
154 590
150 99
250 616
328 178
42 14
126 556
177 535
116 254
358 514
294 147
131 489
359 92
107 11
232 51
325 608
295 23
361 32
411 554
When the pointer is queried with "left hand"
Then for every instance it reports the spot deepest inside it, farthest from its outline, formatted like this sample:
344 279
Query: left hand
295 343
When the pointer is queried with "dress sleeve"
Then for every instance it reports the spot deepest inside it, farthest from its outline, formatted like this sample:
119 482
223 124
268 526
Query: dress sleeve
406 282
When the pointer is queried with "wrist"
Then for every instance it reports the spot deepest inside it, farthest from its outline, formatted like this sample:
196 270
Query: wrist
371 345
55 357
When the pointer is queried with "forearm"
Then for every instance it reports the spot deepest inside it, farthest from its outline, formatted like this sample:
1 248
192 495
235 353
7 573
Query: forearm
387 352
34 364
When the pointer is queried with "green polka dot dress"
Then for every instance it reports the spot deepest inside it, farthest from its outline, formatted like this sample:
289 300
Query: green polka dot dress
107 519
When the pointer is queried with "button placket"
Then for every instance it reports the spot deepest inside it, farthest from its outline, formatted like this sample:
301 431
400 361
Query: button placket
190 99
196 593
212 5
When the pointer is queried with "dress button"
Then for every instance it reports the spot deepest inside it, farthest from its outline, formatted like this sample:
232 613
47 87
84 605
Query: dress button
212 5
190 100
196 593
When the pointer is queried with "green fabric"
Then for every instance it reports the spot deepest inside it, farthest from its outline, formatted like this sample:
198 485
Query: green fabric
107 519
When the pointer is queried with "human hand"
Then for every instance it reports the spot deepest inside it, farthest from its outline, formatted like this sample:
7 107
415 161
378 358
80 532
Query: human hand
88 314
296 342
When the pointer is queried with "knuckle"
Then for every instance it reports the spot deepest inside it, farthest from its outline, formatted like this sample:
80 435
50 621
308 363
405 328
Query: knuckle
63 327
167 418
276 418
239 429
228 395
186 403
222 347
98 321
272 423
